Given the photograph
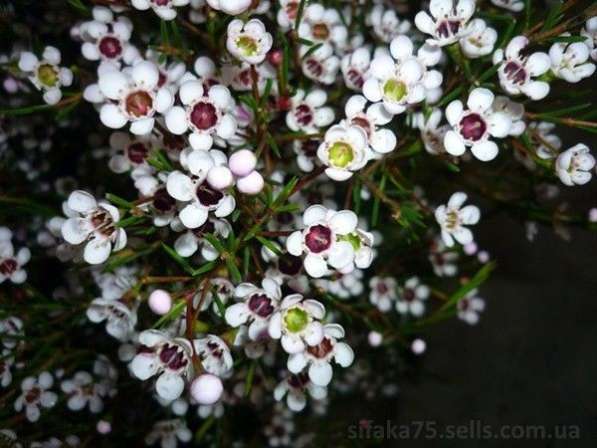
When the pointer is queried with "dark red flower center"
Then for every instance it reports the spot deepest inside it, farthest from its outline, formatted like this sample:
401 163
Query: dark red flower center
139 103
473 127
515 72
173 357
204 116
110 47
207 227
208 195
261 305
137 152
322 349
448 28
8 266
303 114
309 147
289 264
162 201
355 77
408 295
319 238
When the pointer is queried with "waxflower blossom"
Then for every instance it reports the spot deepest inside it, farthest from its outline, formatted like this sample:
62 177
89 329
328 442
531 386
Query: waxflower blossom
120 319
36 394
570 61
168 358
308 111
447 22
331 238
510 5
514 110
132 96
248 41
318 358
517 70
93 224
188 243
206 111
479 40
295 388
547 143
297 323
453 218
163 8
214 354
131 154
46 73
474 126
344 150
574 165
82 391
412 297
432 133
386 24
470 307
321 65
383 292
323 25
232 7
11 264
401 78
168 432
354 68
257 307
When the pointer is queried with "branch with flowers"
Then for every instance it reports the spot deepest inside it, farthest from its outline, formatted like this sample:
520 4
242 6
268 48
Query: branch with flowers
214 206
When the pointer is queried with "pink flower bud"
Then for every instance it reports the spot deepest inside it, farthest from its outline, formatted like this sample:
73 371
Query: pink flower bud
593 215
242 162
375 338
104 427
160 302
220 177
470 248
251 184
207 389
418 346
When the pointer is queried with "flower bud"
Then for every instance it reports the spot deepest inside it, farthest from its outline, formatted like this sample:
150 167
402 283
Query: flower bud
242 162
206 389
220 177
251 184
160 302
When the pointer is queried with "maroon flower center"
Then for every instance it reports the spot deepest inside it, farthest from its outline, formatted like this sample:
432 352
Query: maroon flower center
162 201
102 222
162 78
299 380
322 349
408 295
321 31
110 47
382 288
204 116
355 77
319 238
464 304
309 147
33 395
137 152
139 104
448 28
473 127
208 195
173 357
289 264
515 72
8 266
160 2
314 67
303 114
207 227
261 305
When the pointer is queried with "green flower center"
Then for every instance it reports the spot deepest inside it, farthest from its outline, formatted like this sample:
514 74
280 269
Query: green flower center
341 154
394 90
296 319
352 238
47 75
247 45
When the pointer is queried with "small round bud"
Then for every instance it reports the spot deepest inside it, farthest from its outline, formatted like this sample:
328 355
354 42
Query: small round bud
284 103
375 338
160 302
242 162
275 57
593 215
483 256
251 184
207 389
470 248
104 427
220 177
418 346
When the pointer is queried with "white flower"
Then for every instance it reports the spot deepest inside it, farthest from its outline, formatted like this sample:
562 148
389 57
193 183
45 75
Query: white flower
168 432
308 111
383 292
133 96
248 41
196 191
240 77
453 217
514 110
479 39
6 362
400 78
447 23
120 319
169 358
385 23
331 238
297 323
92 223
35 395
306 153
510 5
354 68
214 354
381 140
46 74
11 330
188 243
131 154
340 285
321 65
547 144
82 391
344 150
574 165
257 307
517 70
323 25
570 62
469 307
295 388
444 262
232 7
473 127
163 8
590 34
432 133
107 39
411 297
11 265
205 112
